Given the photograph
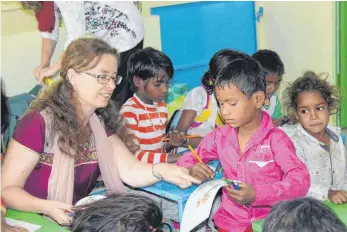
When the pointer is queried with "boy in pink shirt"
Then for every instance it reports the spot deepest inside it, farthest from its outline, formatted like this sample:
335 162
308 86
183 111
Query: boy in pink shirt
251 150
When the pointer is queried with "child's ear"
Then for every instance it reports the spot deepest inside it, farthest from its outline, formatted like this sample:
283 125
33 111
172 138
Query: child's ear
258 98
137 81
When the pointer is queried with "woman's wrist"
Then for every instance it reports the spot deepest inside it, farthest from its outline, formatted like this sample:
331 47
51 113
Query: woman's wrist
156 171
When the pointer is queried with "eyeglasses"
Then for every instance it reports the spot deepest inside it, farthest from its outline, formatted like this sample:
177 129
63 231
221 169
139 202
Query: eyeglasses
104 79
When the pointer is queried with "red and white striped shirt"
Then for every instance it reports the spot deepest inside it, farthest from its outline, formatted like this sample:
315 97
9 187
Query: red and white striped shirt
147 124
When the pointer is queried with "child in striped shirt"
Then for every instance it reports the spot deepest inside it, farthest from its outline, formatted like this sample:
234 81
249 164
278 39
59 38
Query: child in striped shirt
145 114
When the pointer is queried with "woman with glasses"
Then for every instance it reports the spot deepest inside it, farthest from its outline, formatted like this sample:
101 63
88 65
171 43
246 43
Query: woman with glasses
71 135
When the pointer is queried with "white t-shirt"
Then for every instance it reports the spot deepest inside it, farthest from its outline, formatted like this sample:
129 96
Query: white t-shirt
196 100
118 23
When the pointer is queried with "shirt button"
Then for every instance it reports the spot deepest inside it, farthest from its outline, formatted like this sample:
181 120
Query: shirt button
239 163
252 219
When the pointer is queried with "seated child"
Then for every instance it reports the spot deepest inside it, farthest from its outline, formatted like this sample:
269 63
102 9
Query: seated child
121 213
310 100
145 114
274 70
199 113
304 214
251 150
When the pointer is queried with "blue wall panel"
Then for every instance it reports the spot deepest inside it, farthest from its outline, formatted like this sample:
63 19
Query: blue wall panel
191 33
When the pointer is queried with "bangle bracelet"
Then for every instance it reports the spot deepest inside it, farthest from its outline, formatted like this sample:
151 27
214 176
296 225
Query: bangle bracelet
156 174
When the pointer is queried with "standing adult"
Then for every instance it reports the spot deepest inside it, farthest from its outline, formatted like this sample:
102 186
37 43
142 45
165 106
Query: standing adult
119 23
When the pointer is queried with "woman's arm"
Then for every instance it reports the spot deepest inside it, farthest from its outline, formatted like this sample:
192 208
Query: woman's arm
19 163
130 169
47 50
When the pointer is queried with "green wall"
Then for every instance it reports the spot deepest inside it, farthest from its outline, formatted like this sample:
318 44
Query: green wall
343 62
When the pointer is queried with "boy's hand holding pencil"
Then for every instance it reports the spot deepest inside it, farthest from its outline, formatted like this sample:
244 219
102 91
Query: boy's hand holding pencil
200 170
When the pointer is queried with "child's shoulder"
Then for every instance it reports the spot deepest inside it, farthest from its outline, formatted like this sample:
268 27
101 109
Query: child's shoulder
278 134
129 105
199 90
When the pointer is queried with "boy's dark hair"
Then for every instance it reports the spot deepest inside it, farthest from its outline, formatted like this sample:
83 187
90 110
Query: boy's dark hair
146 64
305 214
5 117
245 73
310 82
217 63
270 61
118 212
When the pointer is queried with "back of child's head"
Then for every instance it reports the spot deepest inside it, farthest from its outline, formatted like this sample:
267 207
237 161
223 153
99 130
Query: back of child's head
245 73
304 214
270 61
118 212
146 64
310 82
217 63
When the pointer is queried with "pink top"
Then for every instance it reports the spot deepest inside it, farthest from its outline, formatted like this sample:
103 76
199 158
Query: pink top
269 164
30 132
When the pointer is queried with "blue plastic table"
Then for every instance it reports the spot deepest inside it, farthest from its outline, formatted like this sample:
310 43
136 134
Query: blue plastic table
172 192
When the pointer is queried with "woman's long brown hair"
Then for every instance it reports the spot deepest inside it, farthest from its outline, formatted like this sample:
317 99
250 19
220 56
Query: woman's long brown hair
61 100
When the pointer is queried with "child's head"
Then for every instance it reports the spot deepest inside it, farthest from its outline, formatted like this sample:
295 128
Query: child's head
305 214
273 67
240 91
118 212
311 99
149 72
219 61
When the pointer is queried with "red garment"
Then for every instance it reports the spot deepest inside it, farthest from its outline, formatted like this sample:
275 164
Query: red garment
248 229
45 17
3 206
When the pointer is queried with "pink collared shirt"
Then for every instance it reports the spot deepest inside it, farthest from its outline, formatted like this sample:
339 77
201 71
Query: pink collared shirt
269 163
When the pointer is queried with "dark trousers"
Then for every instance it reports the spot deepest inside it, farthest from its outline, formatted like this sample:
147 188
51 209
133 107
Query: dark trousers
123 92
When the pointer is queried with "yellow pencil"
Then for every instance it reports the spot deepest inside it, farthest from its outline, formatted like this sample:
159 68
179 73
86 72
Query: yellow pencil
195 154
197 157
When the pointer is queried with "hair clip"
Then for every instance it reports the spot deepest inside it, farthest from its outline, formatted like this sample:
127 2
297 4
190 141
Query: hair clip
212 81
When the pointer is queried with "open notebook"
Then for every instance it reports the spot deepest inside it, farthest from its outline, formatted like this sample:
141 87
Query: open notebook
199 204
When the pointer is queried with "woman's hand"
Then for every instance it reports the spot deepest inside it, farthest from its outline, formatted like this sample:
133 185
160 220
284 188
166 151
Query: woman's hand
175 175
58 211
38 70
48 72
